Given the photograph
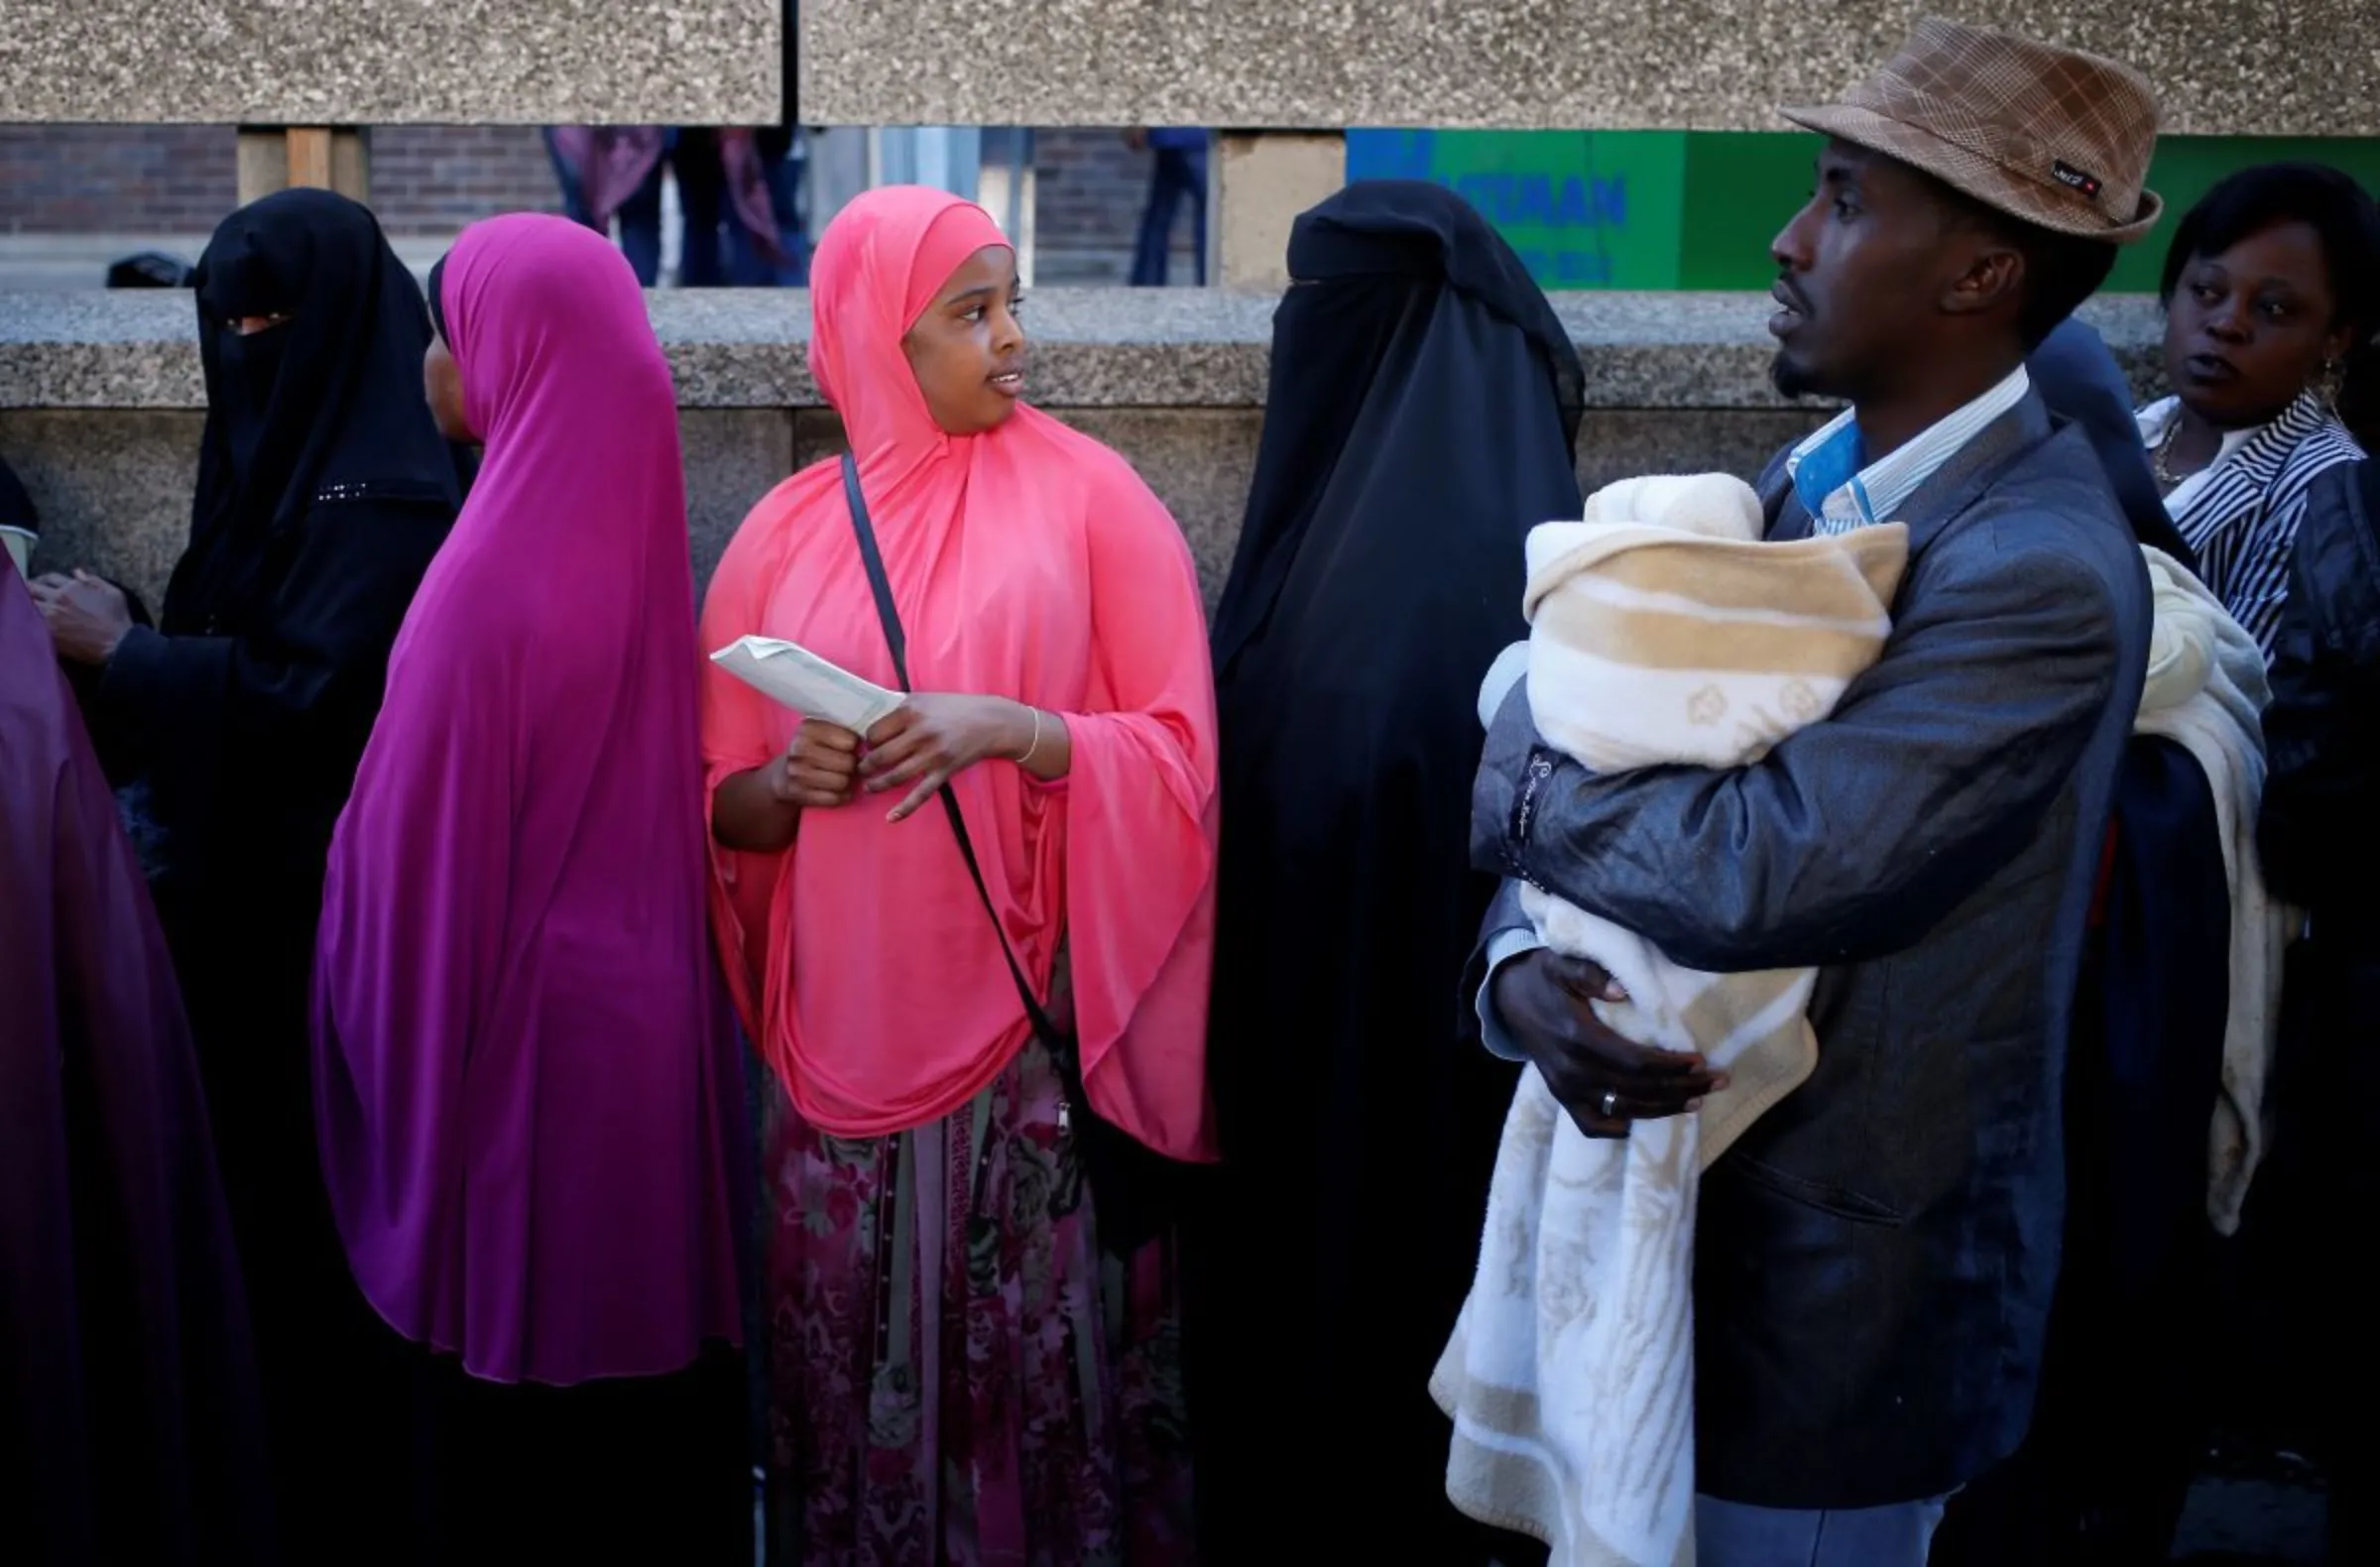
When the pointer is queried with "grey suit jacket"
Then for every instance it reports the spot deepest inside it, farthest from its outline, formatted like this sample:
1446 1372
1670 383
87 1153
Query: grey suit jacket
1875 1258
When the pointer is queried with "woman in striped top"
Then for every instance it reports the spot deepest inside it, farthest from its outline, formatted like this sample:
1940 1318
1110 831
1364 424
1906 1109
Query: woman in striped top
2272 294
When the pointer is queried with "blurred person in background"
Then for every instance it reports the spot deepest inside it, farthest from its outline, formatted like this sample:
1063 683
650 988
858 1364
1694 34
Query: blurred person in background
723 182
1177 173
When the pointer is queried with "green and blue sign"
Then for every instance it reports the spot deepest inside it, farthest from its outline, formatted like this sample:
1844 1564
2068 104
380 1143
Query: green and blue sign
1590 209
1669 211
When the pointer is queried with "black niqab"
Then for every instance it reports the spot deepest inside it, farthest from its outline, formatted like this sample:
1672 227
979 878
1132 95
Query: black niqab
324 488
291 420
324 492
1421 420
1404 301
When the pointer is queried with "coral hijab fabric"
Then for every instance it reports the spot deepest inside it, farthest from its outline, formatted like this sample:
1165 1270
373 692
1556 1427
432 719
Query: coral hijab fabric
1028 562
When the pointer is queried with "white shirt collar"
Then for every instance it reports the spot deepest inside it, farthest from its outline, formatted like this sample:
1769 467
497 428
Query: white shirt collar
2158 417
1840 493
2157 422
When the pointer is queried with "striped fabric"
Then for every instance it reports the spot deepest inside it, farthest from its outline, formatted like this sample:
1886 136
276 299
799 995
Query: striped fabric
2242 519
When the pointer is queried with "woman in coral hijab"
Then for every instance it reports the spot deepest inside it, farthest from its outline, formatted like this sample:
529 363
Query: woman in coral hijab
964 1370
526 1077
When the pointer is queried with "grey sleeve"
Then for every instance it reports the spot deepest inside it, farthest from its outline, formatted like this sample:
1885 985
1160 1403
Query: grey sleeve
1502 948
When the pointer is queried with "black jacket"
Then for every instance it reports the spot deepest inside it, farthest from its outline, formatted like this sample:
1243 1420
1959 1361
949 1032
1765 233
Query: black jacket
2318 833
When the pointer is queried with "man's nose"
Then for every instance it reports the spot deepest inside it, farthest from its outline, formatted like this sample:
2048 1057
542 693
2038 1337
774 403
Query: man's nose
1790 250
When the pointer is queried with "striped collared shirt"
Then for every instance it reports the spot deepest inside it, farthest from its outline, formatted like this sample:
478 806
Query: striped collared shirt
2241 515
1840 493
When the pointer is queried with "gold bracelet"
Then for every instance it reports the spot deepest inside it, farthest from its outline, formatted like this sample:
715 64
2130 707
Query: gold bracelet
1027 754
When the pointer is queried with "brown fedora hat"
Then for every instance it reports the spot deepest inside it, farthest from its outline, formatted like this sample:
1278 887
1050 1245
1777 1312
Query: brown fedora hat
2054 137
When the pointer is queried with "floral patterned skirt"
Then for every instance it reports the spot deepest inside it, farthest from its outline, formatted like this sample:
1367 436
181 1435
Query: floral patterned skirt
958 1376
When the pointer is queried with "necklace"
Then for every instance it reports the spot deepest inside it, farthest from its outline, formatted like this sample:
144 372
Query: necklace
2165 449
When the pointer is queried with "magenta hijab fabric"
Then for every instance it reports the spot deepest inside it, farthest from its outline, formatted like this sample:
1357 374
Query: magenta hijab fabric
529 1108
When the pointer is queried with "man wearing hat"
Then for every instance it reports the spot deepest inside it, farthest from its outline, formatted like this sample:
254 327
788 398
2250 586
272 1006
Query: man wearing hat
1876 1257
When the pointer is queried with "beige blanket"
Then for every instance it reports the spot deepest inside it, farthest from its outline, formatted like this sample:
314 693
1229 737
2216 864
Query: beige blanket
1662 630
2207 692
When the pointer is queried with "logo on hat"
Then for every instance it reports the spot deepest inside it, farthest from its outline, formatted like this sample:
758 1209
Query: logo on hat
2068 175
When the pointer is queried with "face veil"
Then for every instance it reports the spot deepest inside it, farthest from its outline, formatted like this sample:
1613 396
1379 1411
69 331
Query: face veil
327 403
1423 406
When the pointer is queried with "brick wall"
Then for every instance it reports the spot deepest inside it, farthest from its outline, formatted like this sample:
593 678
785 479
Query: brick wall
114 179
183 179
1090 188
436 179
173 180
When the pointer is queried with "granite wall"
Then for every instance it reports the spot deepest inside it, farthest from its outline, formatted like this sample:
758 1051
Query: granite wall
2246 68
392 62
100 402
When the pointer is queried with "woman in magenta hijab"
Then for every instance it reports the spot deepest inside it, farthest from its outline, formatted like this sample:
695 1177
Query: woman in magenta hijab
526 1081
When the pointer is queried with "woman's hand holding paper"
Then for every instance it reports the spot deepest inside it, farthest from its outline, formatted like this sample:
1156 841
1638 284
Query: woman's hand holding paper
817 768
933 737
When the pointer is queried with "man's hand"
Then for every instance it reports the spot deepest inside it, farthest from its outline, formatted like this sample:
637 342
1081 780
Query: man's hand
1546 1002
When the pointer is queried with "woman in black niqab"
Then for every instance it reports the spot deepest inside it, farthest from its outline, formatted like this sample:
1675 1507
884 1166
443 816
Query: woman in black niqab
1421 418
324 489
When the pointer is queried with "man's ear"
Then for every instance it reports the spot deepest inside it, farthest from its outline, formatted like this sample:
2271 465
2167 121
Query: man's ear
1993 278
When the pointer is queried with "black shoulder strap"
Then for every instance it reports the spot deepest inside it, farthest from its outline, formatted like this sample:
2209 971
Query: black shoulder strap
878 583
895 639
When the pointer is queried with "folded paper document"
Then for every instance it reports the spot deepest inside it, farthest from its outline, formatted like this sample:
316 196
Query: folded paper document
792 674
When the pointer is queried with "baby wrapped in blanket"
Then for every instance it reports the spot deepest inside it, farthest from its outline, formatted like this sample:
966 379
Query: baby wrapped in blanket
1662 629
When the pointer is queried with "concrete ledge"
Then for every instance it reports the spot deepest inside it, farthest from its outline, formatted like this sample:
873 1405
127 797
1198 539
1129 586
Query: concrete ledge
393 61
2252 67
1093 348
100 402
